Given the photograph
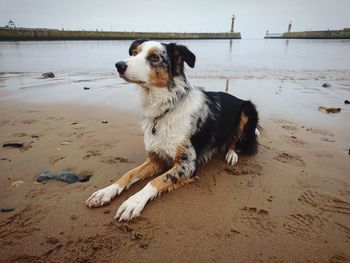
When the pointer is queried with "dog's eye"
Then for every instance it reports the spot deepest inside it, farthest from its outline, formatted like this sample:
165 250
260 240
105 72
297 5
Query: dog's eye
154 58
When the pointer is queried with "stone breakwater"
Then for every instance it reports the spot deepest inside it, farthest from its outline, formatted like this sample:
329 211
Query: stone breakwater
53 34
325 34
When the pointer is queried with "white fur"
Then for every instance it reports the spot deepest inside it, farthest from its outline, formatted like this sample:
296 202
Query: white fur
133 206
138 69
103 196
257 133
231 157
177 126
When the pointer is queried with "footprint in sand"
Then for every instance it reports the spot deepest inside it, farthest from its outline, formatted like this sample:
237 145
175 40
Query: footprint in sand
20 225
304 225
293 140
92 153
337 259
102 246
19 134
244 167
56 158
327 140
324 202
29 121
320 132
290 127
282 121
257 219
113 160
293 159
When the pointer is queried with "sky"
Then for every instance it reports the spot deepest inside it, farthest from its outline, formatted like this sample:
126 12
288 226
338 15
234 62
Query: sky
253 17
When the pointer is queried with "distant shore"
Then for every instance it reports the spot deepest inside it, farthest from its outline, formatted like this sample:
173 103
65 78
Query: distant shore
20 34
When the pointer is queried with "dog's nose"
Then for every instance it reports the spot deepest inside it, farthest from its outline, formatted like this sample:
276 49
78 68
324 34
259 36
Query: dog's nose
121 67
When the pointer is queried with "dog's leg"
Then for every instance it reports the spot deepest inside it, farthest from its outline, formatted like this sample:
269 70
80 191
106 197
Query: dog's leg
152 166
231 155
179 174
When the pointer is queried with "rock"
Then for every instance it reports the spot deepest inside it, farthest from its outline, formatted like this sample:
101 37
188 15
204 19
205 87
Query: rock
13 144
86 88
67 177
346 102
17 183
329 110
7 209
104 122
326 85
48 75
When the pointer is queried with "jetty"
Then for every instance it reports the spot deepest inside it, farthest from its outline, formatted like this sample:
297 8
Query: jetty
321 34
12 33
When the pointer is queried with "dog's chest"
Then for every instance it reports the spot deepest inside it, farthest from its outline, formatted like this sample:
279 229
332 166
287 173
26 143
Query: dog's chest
169 133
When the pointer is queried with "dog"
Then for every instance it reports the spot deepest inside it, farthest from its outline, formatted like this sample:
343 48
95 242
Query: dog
184 126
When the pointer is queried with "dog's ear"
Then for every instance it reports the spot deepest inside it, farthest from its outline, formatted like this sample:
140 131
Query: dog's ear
135 44
178 54
187 55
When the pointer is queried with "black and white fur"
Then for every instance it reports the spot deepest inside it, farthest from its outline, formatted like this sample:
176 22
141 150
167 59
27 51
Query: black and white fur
184 126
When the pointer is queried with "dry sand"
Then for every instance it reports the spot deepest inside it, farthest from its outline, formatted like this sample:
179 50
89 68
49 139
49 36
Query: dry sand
288 203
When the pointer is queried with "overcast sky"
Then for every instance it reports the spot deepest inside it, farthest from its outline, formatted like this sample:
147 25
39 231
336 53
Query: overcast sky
253 17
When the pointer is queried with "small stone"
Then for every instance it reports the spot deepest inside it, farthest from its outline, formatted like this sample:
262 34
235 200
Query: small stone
329 110
7 209
104 122
86 88
346 102
17 183
326 85
48 75
13 144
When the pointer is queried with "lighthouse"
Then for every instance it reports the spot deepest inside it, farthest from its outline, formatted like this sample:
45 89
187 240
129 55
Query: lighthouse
232 24
290 26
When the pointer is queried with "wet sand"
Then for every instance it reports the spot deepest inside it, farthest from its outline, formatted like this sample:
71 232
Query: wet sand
288 203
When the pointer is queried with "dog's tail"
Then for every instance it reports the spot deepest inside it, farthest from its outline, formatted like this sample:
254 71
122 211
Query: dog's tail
248 141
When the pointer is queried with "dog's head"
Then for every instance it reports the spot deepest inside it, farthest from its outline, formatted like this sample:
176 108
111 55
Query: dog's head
153 64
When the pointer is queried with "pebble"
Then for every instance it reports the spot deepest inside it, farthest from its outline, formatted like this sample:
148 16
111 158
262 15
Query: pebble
7 209
346 102
17 183
86 88
326 85
48 75
104 122
13 144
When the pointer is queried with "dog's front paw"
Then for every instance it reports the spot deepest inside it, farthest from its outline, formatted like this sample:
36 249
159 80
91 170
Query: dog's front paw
133 206
231 157
103 196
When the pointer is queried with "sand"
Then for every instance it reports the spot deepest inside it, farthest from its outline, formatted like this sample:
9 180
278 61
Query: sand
288 203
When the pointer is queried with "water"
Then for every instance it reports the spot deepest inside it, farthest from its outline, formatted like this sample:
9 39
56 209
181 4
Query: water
284 76
215 58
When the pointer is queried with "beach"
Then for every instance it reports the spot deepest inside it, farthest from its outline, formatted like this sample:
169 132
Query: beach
288 203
